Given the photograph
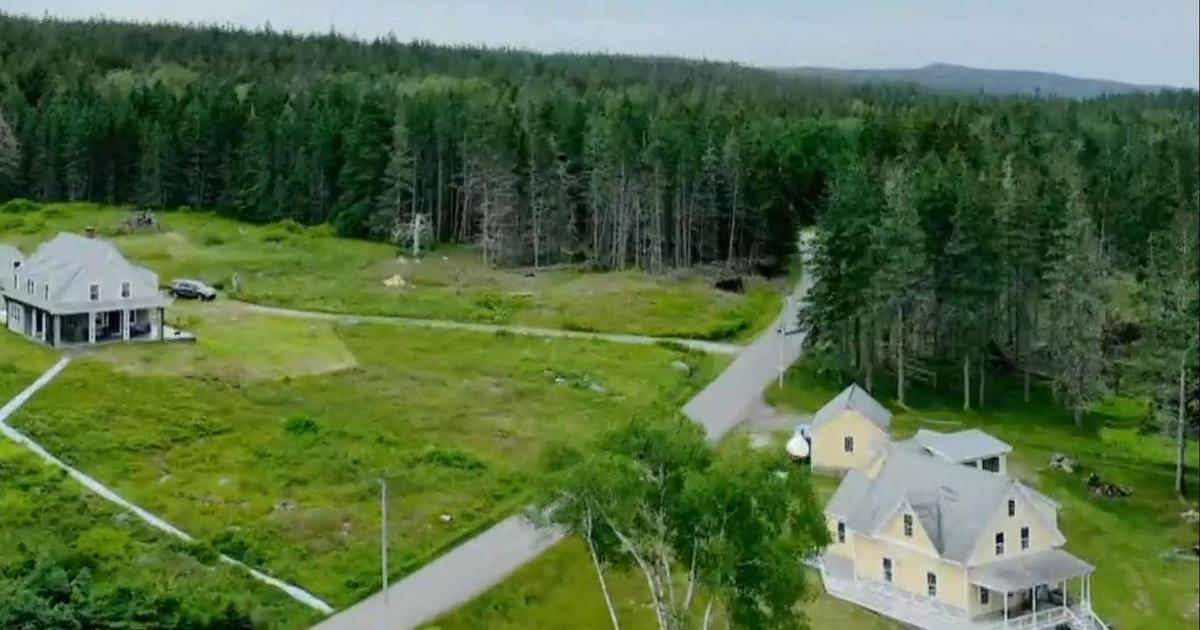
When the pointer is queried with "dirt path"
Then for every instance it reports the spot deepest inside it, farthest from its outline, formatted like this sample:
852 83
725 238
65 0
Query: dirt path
695 344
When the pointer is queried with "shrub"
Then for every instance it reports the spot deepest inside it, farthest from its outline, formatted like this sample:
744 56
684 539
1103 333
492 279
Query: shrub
211 240
18 206
231 543
451 458
103 543
301 425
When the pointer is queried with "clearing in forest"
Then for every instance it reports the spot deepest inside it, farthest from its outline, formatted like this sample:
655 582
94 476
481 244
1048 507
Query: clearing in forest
279 466
309 268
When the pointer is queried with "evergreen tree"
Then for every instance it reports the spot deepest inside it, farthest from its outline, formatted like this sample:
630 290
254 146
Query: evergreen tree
10 156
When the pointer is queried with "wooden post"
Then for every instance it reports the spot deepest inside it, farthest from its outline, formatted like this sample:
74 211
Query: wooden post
57 330
1005 596
161 323
91 327
125 324
1033 599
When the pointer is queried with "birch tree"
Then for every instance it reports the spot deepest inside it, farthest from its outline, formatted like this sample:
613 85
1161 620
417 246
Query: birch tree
10 154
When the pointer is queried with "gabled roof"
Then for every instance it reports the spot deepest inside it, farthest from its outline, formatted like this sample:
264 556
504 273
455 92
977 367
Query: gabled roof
8 255
853 398
961 446
953 502
69 264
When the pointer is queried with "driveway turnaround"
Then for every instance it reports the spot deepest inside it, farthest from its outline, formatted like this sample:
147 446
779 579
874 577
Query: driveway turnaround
473 567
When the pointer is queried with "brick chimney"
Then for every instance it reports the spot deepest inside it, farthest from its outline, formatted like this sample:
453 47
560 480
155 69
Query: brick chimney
90 231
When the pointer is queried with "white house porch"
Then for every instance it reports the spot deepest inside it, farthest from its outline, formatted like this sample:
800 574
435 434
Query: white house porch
928 614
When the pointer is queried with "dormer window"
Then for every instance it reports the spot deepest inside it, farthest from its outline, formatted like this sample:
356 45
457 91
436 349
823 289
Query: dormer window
125 290
1012 508
94 292
908 525
16 265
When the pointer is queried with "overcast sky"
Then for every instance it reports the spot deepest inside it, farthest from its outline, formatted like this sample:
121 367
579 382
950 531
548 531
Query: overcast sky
1140 41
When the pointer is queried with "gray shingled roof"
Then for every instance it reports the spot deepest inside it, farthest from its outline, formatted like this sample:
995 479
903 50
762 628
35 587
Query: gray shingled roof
69 264
961 446
953 502
857 399
8 255
1023 572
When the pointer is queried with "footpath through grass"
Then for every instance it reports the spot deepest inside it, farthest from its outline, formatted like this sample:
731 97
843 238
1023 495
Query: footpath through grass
293 266
267 437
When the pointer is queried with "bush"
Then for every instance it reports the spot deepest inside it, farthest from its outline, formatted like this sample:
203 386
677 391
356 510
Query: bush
18 206
451 458
301 425
103 543
231 543
212 240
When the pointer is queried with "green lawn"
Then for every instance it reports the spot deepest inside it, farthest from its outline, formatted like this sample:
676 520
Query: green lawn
45 515
267 436
308 268
559 591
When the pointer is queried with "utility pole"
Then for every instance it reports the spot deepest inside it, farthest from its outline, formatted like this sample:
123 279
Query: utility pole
383 553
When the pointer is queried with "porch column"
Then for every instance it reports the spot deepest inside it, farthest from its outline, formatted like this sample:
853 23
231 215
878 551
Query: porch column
125 324
91 327
1004 595
161 323
1033 598
57 330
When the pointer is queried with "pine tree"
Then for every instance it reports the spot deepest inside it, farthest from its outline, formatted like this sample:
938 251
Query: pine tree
10 156
901 275
1077 287
395 215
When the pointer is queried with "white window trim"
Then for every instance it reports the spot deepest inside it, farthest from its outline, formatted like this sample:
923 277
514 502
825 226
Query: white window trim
29 286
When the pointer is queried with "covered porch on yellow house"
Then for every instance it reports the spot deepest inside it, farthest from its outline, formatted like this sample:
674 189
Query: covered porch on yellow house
1047 589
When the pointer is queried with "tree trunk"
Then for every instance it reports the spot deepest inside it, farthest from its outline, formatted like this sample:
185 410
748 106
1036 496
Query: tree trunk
612 611
900 358
982 378
708 614
966 381
1181 435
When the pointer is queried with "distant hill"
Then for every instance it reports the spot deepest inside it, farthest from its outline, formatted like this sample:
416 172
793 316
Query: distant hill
951 78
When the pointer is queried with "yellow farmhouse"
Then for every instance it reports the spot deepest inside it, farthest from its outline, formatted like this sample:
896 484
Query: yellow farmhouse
933 532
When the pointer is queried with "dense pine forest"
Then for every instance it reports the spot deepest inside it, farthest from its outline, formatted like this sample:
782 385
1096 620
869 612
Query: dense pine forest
1053 238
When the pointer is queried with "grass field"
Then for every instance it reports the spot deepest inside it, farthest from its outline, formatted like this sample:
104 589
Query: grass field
267 437
45 515
1133 586
308 268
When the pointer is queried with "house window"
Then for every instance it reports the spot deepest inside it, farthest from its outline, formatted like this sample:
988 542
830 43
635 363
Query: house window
1012 508
985 596
992 464
94 292
29 286
46 292
16 265
1024 538
124 289
887 569
841 532
931 580
848 444
908 525
999 543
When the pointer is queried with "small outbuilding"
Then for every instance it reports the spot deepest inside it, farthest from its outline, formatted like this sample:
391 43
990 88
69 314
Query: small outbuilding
849 431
